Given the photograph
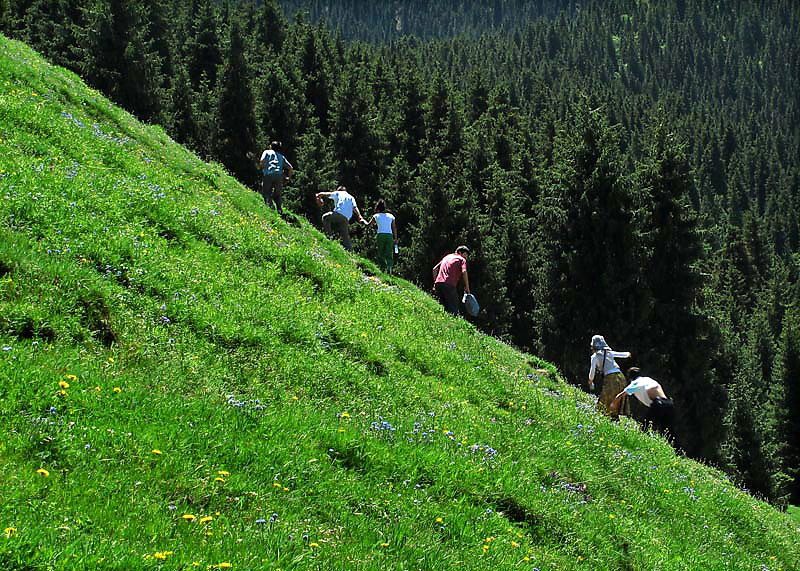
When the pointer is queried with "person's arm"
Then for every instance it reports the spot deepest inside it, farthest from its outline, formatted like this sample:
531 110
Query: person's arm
613 408
288 169
621 354
394 231
371 220
436 271
360 218
591 373
465 277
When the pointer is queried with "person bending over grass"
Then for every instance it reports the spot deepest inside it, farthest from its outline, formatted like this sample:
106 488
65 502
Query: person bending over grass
660 409
447 274
386 237
612 381
344 206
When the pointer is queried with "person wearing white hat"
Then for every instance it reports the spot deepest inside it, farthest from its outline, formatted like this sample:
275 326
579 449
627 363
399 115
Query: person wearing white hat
612 381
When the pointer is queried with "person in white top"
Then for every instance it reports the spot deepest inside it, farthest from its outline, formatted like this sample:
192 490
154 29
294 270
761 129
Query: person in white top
344 206
660 408
603 365
387 235
276 170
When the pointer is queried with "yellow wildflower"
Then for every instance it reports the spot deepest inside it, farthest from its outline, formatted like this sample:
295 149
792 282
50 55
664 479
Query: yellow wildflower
219 480
189 517
224 565
206 519
313 544
9 531
156 451
224 473
72 378
276 485
385 544
44 473
97 389
161 554
344 414
62 393
439 520
514 544
117 390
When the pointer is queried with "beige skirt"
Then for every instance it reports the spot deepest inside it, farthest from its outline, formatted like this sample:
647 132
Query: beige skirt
613 384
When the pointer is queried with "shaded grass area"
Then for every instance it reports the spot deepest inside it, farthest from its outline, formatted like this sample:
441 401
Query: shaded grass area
188 381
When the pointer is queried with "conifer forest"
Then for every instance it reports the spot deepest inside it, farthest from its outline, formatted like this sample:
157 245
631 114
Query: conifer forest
623 167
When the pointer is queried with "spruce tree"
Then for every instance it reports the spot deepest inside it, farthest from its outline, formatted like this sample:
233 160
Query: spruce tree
786 401
235 132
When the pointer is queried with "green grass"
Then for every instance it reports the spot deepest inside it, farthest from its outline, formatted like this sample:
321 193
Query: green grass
224 364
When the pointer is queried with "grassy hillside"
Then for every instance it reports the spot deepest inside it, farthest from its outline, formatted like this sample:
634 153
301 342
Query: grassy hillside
186 381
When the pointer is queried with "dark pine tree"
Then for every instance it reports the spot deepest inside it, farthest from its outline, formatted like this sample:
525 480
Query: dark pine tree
235 132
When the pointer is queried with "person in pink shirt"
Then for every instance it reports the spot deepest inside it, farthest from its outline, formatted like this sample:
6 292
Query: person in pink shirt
447 274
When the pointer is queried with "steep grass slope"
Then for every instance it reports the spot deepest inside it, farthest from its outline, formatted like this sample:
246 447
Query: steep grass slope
186 381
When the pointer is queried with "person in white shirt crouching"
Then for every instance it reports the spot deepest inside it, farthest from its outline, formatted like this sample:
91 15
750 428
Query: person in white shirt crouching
660 408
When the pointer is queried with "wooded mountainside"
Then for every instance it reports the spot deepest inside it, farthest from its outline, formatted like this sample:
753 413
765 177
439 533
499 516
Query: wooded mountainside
627 168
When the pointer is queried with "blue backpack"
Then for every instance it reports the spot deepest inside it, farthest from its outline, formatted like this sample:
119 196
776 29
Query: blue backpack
273 164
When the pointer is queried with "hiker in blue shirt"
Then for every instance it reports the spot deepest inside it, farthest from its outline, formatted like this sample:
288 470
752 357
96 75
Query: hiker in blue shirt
275 169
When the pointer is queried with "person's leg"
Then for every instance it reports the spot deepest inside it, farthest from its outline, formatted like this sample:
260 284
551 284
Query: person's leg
266 189
326 222
385 242
661 412
448 297
277 191
343 226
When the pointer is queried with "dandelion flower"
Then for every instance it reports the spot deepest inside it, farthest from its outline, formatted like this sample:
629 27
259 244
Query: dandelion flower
385 544
224 473
62 393
117 390
9 531
206 519
219 480
344 414
72 378
97 389
156 451
189 517
63 384
276 485
224 565
313 544
514 544
439 520
42 472
161 554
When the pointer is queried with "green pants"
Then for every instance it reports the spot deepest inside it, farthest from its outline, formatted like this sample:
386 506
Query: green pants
385 252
